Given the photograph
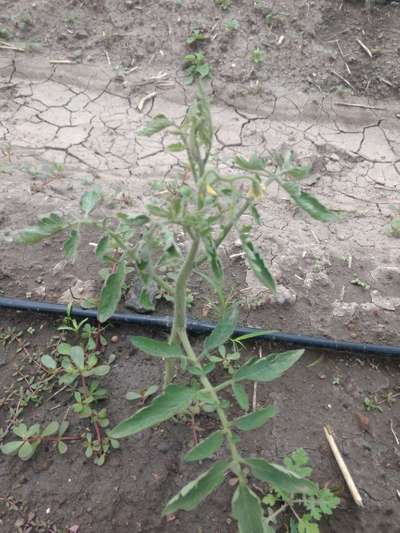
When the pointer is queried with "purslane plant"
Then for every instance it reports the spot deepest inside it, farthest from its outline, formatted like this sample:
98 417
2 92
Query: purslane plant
206 206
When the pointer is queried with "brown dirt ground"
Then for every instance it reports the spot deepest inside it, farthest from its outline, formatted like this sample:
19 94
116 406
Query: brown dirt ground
144 33
54 493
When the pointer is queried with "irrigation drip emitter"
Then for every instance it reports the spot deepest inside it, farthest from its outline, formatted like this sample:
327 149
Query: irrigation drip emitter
203 327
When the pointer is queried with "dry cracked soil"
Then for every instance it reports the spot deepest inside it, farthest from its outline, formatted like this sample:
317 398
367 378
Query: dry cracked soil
77 79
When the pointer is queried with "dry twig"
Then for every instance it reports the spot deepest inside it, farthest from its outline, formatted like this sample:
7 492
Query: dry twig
365 48
149 97
344 60
343 79
342 466
361 106
396 438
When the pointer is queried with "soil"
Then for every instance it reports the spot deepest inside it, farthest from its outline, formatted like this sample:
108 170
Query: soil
340 280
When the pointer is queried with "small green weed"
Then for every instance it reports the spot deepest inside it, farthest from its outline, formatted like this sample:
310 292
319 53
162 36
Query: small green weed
71 19
232 25
306 510
223 4
70 367
395 227
5 34
257 56
142 394
196 67
371 404
25 22
196 37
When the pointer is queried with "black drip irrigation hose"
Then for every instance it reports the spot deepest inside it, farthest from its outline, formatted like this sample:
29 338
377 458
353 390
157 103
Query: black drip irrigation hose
201 327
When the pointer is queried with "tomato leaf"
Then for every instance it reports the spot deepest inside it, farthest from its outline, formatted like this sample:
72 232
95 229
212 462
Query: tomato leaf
111 293
174 400
157 348
158 123
268 368
197 490
206 447
224 329
247 510
280 477
256 419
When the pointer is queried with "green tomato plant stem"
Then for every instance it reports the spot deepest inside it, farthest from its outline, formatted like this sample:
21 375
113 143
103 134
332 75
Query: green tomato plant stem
179 333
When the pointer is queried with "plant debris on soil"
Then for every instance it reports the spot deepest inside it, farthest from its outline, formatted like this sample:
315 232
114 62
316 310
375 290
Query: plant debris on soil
77 79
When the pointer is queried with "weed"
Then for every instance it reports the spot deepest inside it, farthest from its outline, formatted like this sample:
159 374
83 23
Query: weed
44 175
24 22
257 56
306 510
223 4
232 25
5 34
196 67
71 19
270 16
31 437
142 394
197 36
395 227
389 398
372 404
206 206
73 368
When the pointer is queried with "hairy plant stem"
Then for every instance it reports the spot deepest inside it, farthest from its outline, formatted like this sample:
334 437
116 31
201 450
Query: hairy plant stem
179 323
225 230
226 427
179 333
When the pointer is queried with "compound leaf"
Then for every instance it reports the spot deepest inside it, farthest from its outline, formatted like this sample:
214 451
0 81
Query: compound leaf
206 447
240 395
71 245
309 203
158 123
224 329
256 419
247 510
268 368
194 492
174 400
46 227
255 163
89 200
157 348
257 263
111 293
280 477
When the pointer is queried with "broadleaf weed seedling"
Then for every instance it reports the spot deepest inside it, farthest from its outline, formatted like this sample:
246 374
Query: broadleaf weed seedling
232 25
196 37
206 205
223 4
196 67
75 369
257 56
